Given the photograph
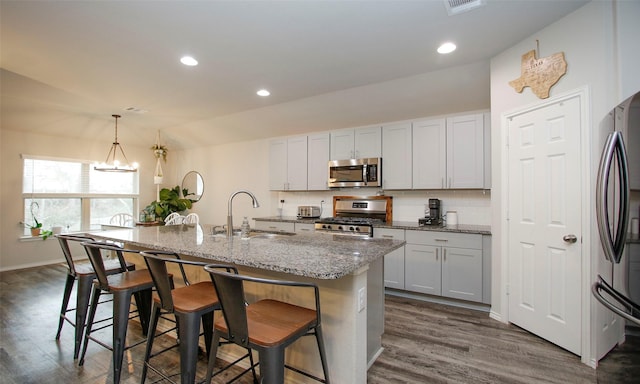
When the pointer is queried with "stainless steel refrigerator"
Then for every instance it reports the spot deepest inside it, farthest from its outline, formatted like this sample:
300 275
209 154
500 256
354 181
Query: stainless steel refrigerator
612 212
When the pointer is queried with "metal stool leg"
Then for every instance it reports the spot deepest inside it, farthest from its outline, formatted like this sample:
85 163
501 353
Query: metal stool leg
272 365
143 303
95 297
215 341
83 295
188 332
207 326
121 306
153 324
65 302
323 358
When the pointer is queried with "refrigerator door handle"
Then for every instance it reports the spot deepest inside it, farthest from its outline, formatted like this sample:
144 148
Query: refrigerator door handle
631 310
614 149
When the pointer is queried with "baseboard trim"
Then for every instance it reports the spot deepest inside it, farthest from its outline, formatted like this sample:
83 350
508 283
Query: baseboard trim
438 300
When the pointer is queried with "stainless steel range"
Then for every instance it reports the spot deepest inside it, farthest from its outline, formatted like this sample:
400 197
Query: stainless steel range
354 215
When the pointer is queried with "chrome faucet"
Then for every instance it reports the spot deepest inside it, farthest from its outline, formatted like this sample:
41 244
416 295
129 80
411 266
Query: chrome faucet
230 215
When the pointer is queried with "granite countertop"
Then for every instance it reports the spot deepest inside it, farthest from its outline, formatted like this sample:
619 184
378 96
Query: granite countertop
314 255
460 228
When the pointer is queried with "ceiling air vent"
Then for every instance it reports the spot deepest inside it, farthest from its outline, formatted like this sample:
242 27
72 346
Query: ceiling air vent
455 7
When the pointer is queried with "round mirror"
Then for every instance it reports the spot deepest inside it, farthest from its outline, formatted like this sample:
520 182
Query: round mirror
192 186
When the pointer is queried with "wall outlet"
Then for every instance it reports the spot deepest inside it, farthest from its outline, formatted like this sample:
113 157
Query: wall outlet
362 299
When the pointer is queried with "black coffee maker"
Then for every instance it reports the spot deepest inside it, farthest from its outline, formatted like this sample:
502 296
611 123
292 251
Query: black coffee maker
432 215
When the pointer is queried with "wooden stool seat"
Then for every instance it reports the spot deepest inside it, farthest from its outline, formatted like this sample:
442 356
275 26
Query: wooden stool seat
192 298
272 322
140 279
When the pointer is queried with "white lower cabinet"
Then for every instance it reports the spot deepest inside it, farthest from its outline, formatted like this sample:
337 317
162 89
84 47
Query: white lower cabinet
304 227
275 226
444 264
394 261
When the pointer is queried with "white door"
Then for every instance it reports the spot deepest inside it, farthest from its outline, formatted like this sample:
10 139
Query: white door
544 209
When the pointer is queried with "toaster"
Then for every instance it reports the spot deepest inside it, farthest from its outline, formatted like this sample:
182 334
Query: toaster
308 211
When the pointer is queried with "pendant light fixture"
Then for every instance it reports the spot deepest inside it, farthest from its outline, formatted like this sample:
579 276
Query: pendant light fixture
112 164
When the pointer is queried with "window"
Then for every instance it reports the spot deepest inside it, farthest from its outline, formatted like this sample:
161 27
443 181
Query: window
73 195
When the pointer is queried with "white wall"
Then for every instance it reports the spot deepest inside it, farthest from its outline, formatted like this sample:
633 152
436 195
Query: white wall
19 253
587 37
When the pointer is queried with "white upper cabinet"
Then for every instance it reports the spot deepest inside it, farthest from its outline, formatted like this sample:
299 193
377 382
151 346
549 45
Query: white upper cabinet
288 164
465 151
318 159
429 154
297 163
356 143
396 156
439 153
277 164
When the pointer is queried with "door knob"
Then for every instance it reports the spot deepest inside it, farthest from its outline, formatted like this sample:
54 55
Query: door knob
570 238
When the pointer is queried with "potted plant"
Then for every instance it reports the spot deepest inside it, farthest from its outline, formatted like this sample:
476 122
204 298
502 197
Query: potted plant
36 227
169 202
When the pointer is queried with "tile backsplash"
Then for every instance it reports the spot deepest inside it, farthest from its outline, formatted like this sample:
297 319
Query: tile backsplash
473 206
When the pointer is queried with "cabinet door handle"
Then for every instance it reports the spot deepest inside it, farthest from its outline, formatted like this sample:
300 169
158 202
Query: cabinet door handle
444 255
442 240
436 254
388 236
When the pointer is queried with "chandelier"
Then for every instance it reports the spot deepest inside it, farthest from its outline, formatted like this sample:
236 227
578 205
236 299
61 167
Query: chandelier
112 164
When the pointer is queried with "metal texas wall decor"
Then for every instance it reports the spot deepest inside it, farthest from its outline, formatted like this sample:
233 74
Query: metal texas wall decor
540 74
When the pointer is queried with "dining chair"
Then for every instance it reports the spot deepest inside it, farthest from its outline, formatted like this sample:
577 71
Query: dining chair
82 271
175 220
191 304
122 220
191 218
122 286
172 217
267 326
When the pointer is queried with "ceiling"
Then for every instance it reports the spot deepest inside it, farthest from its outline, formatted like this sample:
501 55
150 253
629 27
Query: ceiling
67 66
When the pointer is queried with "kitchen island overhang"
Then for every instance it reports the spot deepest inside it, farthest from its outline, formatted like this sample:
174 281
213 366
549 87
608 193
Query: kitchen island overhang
348 270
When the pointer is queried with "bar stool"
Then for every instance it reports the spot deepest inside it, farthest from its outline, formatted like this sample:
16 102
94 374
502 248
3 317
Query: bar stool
189 304
83 272
268 326
122 286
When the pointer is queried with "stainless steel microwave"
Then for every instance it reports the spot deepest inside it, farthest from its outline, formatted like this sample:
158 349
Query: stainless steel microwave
355 173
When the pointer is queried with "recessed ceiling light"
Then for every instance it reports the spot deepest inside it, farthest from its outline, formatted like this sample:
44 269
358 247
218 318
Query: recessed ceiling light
263 93
188 60
446 48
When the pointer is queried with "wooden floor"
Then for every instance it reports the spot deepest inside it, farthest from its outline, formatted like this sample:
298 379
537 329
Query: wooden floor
423 343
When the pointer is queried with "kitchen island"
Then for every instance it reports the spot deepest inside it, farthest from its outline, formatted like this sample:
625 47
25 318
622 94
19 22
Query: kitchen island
348 271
